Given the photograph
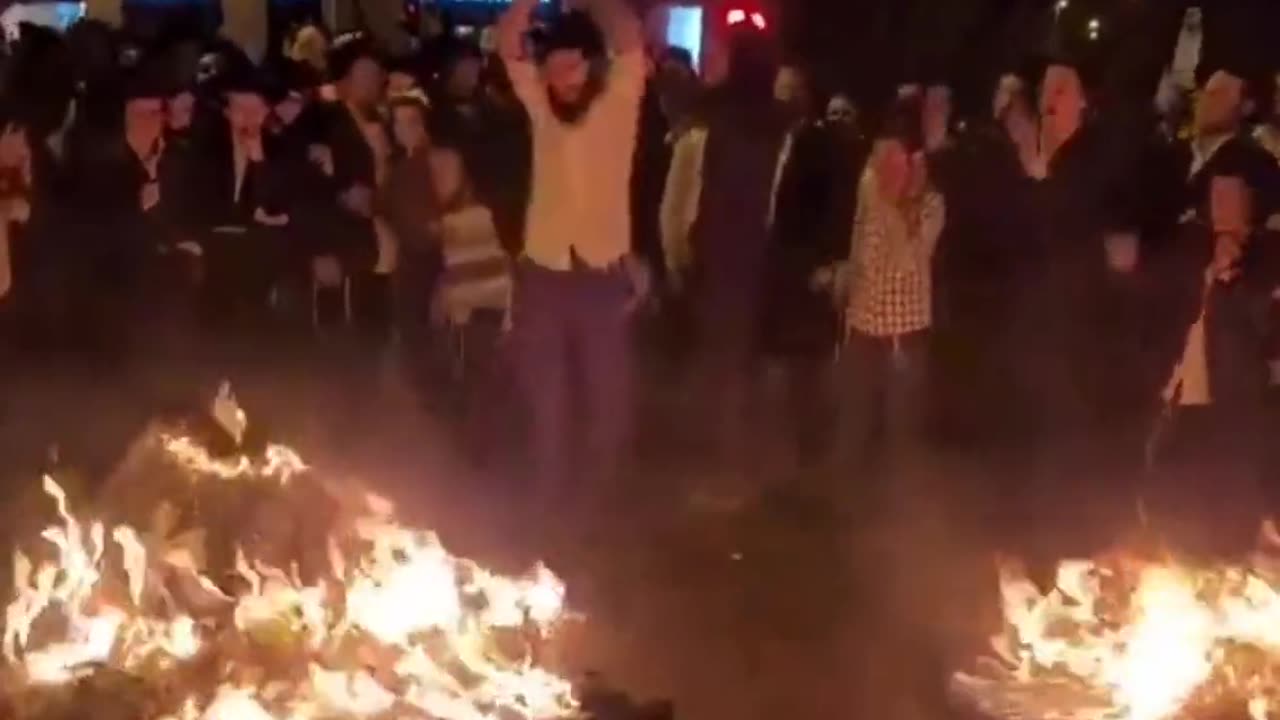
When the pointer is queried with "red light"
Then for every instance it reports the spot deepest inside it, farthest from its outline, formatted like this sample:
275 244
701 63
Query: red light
740 16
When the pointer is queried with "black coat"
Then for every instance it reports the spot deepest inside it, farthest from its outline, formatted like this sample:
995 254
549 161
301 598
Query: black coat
1237 318
796 318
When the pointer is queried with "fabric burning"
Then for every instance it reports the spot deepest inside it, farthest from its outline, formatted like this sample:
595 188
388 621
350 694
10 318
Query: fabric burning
1135 637
394 626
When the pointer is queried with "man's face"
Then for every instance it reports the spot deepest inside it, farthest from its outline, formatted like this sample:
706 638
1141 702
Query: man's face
290 108
408 127
181 109
464 78
841 112
787 85
399 81
365 82
937 103
567 73
145 118
246 113
1218 109
1062 101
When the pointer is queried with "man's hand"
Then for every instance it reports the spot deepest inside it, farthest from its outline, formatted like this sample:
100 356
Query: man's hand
1122 251
149 197
512 27
278 220
322 157
358 199
641 279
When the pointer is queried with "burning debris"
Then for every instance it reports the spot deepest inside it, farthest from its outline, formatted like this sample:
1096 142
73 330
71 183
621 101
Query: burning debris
1136 638
159 618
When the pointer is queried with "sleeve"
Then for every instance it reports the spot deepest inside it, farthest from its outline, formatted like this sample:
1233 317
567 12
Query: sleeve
933 219
527 85
624 85
680 198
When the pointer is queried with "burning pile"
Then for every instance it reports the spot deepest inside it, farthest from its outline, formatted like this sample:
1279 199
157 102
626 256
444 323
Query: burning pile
1143 639
393 626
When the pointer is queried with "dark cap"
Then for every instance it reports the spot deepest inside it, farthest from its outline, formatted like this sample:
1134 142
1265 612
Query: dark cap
148 79
242 77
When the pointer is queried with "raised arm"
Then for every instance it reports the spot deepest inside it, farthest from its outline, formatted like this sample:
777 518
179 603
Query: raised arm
512 27
624 35
619 23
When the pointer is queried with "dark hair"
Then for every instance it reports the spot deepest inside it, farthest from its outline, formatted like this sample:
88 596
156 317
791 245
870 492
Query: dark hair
753 65
679 55
573 31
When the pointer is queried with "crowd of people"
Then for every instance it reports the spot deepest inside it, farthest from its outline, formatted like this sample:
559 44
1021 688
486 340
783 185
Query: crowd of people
1057 279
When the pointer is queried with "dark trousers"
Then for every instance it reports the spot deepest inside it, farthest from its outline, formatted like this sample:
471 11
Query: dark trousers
571 342
882 404
1206 488
240 271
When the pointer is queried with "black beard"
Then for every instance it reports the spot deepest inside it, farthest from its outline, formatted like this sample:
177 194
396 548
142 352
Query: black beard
570 113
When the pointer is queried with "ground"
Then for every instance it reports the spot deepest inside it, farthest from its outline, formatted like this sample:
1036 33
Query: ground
799 601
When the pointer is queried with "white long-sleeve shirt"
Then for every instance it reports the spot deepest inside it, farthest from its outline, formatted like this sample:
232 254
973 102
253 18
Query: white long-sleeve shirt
581 200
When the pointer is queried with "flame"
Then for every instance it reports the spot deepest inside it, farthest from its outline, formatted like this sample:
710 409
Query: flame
397 624
279 462
1134 639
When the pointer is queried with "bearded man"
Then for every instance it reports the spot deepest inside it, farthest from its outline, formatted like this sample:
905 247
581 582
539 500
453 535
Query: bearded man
576 281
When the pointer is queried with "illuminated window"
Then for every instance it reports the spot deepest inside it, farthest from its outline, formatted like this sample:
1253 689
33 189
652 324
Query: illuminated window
684 29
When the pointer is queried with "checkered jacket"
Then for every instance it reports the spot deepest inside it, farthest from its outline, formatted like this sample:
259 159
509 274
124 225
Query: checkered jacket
891 260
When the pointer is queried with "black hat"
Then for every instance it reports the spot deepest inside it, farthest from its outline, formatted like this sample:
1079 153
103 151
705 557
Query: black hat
286 76
574 31
242 77
347 49
148 79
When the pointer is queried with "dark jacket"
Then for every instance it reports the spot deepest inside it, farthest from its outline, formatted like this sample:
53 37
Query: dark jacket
731 236
796 318
1237 314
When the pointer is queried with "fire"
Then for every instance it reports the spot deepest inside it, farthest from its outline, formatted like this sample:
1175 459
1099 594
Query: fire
1134 639
397 627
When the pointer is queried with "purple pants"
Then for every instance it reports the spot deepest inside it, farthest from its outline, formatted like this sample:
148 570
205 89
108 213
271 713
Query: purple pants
571 351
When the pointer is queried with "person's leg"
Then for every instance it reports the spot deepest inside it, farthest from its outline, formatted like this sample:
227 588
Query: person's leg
860 377
541 358
602 340
905 405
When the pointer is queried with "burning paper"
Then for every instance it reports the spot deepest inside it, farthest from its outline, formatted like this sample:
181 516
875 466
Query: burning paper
397 627
1139 639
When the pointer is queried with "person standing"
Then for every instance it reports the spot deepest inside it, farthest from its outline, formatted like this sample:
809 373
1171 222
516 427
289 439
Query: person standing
574 287
717 221
889 310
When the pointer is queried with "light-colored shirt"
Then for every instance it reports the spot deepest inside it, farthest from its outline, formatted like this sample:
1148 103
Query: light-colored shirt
891 263
1189 385
581 200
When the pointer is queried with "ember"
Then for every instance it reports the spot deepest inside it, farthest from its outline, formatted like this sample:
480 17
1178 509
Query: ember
1127 637
397 627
